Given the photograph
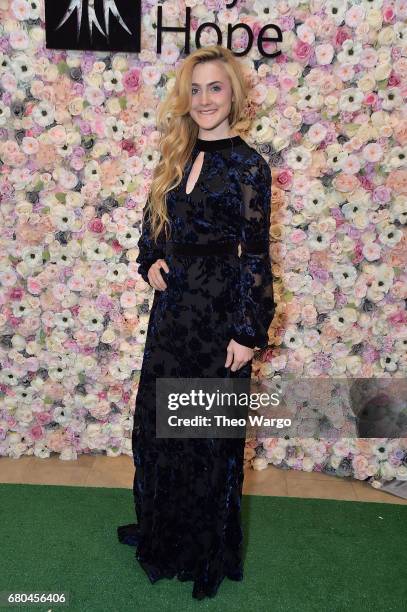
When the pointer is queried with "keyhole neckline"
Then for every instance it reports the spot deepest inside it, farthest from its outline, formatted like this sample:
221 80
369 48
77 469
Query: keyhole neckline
208 146
188 194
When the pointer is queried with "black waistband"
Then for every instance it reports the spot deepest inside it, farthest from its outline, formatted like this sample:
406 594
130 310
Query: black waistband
216 248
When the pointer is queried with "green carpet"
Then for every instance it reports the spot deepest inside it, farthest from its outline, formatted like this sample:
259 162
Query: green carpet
301 555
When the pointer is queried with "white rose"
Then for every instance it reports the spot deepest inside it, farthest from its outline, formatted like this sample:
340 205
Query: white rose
307 464
293 69
36 34
108 336
374 18
335 461
387 471
382 72
272 95
113 106
401 472
94 80
386 36
384 56
119 63
24 208
74 58
366 83
260 463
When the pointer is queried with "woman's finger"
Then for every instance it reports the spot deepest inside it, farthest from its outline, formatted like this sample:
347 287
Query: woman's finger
236 365
229 358
164 265
158 280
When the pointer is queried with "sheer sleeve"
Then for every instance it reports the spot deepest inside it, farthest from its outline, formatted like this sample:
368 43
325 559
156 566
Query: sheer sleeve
149 251
256 305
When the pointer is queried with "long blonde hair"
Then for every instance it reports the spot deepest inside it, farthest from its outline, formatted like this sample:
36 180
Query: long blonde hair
179 130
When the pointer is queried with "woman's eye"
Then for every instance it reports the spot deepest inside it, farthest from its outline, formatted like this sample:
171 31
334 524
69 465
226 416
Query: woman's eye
216 87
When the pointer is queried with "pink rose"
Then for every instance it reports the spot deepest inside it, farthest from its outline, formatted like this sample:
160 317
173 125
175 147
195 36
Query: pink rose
297 236
131 80
284 178
341 35
309 315
37 432
43 418
394 80
388 14
302 51
360 464
400 132
128 145
16 293
116 246
398 317
96 225
370 98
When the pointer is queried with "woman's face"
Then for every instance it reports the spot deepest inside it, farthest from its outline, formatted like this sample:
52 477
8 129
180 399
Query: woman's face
211 91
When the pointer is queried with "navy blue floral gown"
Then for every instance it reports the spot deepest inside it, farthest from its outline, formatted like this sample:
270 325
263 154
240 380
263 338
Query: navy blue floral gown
187 492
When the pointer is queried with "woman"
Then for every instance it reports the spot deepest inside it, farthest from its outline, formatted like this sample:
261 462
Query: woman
211 309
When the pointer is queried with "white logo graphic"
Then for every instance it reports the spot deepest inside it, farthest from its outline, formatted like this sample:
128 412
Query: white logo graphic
108 5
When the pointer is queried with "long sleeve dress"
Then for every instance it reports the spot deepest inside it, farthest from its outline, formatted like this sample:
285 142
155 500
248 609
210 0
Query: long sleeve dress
187 492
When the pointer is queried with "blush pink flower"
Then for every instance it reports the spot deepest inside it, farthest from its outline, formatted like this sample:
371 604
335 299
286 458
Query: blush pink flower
388 14
34 285
96 225
302 51
284 178
37 432
132 80
297 236
43 418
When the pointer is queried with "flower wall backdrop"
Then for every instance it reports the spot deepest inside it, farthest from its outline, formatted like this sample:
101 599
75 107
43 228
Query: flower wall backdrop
78 144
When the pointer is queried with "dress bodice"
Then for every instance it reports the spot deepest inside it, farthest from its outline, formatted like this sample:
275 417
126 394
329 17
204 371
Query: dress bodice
230 202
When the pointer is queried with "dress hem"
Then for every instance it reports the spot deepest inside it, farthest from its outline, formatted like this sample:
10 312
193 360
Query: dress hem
128 534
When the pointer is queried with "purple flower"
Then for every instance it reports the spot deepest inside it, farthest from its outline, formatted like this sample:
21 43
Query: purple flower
87 63
323 361
286 23
340 299
381 194
320 274
78 88
78 151
4 46
353 232
103 302
310 117
369 354
337 214
85 127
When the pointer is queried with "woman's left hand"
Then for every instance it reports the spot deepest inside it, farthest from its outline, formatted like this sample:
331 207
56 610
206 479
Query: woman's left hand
237 355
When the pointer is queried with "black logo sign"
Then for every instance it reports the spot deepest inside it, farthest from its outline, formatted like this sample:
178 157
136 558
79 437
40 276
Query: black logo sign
115 25
93 25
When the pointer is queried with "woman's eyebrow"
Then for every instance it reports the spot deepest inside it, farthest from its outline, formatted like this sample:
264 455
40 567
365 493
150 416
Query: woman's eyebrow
212 83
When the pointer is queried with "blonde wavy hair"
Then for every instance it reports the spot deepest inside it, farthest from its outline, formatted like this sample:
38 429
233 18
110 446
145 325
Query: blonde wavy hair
179 131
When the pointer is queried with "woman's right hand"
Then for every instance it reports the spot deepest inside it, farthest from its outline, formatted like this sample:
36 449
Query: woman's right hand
154 274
